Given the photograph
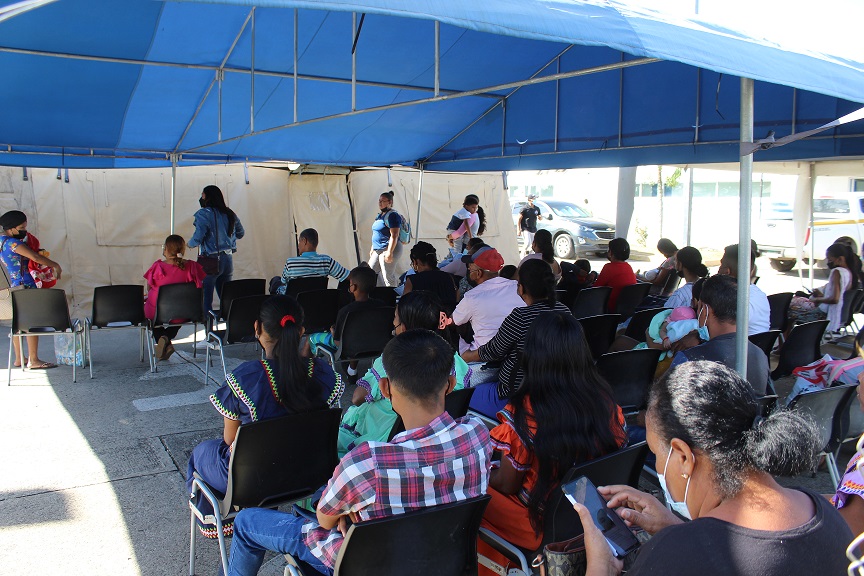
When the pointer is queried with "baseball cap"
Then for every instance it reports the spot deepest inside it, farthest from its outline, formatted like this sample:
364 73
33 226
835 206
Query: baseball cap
531 196
486 258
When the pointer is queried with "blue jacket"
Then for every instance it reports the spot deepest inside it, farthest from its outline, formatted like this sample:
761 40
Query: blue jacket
205 234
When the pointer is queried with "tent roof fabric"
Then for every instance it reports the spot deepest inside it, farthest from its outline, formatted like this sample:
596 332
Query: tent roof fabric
522 84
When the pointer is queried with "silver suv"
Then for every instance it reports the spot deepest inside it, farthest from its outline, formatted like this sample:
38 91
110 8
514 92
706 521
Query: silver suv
574 229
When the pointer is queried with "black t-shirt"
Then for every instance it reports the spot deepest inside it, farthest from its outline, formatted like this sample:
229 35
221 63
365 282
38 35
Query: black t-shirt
529 218
721 349
712 547
350 307
436 281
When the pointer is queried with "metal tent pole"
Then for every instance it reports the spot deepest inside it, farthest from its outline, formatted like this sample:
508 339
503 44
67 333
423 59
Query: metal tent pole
745 206
173 187
812 224
419 205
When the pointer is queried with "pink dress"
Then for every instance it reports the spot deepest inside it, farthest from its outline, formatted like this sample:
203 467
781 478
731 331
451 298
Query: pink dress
161 273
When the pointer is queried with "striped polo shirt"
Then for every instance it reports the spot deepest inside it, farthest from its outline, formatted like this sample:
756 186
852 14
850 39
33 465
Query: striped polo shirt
311 264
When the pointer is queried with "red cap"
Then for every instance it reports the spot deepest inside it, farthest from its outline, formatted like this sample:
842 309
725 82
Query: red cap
487 258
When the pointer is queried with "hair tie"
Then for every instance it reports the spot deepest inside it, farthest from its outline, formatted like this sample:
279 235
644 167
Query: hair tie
757 421
444 321
286 319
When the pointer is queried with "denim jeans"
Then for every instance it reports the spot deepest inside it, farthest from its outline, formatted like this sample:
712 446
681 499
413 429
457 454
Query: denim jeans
486 401
217 281
257 530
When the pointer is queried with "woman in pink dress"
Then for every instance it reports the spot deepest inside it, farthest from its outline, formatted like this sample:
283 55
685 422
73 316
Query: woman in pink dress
174 269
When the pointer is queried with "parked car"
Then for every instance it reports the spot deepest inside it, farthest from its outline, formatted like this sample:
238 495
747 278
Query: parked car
833 217
575 231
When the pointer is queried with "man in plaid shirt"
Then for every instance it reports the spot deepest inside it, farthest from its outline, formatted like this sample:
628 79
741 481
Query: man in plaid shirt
437 460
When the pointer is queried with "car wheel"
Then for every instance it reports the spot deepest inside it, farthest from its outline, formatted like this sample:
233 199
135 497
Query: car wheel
782 264
564 246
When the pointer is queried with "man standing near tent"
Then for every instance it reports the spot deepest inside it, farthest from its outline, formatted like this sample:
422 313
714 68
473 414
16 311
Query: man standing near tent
527 224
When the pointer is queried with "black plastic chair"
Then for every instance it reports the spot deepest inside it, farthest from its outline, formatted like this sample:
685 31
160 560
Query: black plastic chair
384 294
177 304
561 522
851 303
364 335
305 284
630 297
858 346
828 408
671 284
236 289
779 306
767 404
274 462
117 307
320 308
640 321
42 313
590 302
801 347
600 332
765 341
440 540
630 374
239 329
455 403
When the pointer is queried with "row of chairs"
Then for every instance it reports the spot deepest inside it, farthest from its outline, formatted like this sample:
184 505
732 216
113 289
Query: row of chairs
595 301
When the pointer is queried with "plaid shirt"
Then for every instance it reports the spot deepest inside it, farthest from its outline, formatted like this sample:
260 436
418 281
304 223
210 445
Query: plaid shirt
446 461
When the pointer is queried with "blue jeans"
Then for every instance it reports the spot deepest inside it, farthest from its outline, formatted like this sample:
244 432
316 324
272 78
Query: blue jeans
257 530
217 281
486 401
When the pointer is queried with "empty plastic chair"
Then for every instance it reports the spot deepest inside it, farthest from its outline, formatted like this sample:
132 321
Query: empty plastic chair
803 346
364 335
600 332
239 329
630 297
116 308
779 305
630 375
590 302
237 289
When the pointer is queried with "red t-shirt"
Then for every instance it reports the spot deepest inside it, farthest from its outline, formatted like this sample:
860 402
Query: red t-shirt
616 275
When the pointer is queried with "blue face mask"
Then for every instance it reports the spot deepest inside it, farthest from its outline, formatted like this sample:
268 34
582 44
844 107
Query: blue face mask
703 330
677 507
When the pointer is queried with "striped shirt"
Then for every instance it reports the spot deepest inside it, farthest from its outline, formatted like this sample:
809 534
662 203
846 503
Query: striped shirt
509 341
311 264
445 461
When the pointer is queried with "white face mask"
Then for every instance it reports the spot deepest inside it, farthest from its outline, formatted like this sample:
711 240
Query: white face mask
678 507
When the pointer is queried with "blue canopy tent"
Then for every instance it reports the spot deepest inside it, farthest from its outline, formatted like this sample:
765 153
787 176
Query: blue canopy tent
447 85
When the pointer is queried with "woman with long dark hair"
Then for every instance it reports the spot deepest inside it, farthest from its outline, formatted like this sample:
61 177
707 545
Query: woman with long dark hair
371 417
217 229
827 302
544 250
562 415
283 383
469 222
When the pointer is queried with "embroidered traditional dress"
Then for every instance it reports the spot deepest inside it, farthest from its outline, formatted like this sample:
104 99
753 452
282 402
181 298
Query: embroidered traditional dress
249 395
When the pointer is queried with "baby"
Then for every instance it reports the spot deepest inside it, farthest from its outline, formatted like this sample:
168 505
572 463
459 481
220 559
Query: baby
669 326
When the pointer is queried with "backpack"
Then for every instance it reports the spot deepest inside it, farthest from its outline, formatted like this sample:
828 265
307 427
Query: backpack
404 227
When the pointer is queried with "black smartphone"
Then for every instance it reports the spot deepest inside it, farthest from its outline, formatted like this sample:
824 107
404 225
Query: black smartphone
616 532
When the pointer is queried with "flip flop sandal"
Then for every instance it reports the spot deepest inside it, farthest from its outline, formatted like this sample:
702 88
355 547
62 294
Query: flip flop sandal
42 366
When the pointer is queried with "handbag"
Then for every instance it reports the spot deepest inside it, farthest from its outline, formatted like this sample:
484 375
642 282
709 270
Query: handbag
210 263
567 558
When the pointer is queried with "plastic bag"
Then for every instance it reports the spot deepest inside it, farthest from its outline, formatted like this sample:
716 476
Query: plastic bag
64 350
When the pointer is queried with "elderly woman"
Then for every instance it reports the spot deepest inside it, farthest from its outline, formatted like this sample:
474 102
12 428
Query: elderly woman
716 458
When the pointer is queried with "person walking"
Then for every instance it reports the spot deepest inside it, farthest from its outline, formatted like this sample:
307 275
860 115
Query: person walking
386 249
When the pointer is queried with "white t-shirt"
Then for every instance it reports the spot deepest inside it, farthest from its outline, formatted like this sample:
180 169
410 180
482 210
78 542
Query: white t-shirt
760 310
485 307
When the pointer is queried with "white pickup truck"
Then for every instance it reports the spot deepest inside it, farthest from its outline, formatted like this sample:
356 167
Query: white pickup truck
833 216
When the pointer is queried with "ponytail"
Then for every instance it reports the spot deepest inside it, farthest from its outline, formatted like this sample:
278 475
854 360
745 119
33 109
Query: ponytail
783 444
481 215
281 317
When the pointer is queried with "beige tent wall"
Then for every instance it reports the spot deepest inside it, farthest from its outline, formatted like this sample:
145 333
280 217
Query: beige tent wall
443 194
107 226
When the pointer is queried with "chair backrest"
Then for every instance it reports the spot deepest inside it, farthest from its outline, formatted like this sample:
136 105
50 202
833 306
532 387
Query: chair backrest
630 297
40 311
801 347
238 289
623 466
765 340
366 332
305 284
640 321
282 458
779 307
590 302
455 403
629 374
240 322
828 408
320 308
671 284
767 404
384 294
600 332
851 302
120 303
440 540
179 304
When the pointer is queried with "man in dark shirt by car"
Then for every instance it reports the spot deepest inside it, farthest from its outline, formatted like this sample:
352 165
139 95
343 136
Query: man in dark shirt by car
527 224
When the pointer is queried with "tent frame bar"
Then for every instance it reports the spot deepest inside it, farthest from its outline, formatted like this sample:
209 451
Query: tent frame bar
742 312
296 57
235 70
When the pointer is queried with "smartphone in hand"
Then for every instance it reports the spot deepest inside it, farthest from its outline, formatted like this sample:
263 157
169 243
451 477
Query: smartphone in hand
619 537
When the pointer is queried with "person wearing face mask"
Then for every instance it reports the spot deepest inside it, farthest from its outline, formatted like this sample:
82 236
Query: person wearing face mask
689 266
217 229
16 255
716 459
716 320
827 302
282 383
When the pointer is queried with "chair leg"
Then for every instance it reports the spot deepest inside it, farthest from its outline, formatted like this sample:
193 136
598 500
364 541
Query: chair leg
191 543
151 352
75 357
141 334
89 348
832 469
11 346
222 356
223 551
195 349
207 363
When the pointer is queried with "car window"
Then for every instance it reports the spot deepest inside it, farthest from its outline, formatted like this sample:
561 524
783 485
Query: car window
831 205
544 209
517 207
569 210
